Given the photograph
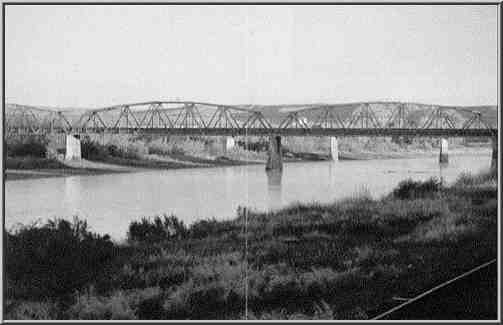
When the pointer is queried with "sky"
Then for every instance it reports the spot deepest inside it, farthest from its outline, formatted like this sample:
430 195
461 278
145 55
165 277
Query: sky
96 56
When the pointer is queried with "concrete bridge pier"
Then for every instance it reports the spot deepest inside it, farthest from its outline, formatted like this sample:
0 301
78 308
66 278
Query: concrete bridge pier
227 143
73 147
334 149
274 154
444 151
494 155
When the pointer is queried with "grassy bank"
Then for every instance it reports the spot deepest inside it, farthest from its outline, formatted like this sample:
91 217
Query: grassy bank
36 167
27 156
345 260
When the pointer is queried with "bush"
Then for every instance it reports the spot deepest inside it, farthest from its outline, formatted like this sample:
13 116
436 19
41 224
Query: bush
178 146
211 227
156 230
30 310
31 146
92 150
135 150
409 189
98 308
447 228
54 260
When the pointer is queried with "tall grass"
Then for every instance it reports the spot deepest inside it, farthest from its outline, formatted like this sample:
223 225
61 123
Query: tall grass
156 230
481 178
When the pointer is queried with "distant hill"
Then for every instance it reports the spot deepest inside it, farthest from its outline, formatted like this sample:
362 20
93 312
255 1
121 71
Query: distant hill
383 110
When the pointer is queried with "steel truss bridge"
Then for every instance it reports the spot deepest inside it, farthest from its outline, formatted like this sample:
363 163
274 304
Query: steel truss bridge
197 118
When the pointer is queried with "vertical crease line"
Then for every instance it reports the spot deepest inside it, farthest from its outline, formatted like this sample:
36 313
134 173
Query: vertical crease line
246 170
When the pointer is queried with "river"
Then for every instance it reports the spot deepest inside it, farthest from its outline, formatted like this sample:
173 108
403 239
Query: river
110 202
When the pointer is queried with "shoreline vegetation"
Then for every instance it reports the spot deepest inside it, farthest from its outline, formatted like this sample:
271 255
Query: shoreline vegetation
34 157
348 259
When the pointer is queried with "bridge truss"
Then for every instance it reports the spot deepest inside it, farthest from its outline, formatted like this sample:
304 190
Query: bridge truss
197 118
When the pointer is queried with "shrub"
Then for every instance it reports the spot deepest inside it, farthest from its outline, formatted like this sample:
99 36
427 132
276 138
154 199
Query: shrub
93 150
28 310
211 227
259 145
178 146
31 146
215 290
410 189
399 216
156 229
54 260
161 148
98 308
114 150
135 150
446 228
151 308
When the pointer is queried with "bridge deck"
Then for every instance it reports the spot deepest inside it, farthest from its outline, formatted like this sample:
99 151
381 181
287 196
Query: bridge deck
299 132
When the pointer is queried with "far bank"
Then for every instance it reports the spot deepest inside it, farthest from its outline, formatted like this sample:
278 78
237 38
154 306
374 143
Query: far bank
36 157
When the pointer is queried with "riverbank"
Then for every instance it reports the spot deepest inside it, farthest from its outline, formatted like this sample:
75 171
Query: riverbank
56 168
369 155
350 259
30 168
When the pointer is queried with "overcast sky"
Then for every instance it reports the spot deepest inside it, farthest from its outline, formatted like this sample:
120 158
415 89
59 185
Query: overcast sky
94 56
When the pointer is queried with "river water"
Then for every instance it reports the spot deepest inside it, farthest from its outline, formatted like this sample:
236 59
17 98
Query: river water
110 202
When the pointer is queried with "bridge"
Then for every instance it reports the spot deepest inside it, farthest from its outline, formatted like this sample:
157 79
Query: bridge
206 119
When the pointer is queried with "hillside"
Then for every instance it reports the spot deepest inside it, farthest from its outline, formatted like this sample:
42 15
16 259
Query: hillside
383 110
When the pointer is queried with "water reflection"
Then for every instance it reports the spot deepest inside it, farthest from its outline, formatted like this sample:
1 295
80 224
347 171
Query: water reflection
331 173
441 172
274 188
72 190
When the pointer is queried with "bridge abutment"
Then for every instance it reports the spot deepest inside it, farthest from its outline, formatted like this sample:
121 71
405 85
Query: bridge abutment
274 154
494 154
444 151
73 149
334 149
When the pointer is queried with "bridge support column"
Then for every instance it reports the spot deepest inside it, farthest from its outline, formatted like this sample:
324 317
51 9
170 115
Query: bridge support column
334 149
494 155
274 154
227 143
444 151
73 151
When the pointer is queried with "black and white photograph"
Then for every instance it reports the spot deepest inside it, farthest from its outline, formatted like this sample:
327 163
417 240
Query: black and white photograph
256 161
